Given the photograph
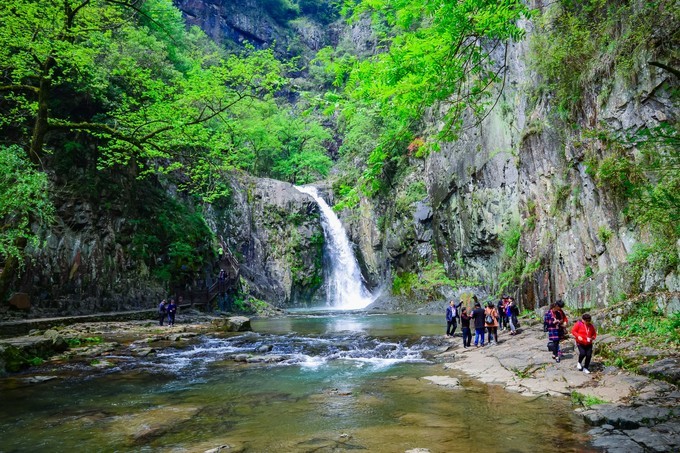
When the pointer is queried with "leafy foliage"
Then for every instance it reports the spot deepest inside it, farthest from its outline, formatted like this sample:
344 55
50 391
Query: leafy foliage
414 193
579 399
123 87
432 277
584 41
171 238
24 198
160 99
647 183
651 325
432 55
517 267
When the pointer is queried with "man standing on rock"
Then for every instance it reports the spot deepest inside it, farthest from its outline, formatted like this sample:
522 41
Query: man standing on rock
451 315
172 311
162 310
584 333
478 316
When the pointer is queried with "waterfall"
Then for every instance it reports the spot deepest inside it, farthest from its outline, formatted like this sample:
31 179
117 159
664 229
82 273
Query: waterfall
345 287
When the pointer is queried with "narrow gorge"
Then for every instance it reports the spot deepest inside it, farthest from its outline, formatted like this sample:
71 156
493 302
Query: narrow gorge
219 213
526 200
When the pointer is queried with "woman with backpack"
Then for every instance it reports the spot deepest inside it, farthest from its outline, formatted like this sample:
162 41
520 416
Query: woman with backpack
584 333
554 327
491 322
561 316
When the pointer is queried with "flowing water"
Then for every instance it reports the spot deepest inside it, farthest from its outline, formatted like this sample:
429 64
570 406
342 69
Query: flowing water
344 282
323 383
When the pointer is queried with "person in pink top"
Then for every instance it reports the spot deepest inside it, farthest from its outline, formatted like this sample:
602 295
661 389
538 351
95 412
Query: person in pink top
491 322
584 333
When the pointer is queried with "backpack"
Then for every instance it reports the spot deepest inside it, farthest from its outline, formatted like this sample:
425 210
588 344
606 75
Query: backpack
489 319
547 318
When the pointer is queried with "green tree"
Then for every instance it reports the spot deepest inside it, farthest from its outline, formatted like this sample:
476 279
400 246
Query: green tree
24 201
122 83
269 140
158 94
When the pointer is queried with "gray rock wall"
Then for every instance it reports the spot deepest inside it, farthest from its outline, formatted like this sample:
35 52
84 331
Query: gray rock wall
523 165
87 264
275 234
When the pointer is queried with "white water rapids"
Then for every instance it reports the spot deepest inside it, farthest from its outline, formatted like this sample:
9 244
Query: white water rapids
345 287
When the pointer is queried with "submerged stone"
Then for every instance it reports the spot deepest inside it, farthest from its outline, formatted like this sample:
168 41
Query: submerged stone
444 381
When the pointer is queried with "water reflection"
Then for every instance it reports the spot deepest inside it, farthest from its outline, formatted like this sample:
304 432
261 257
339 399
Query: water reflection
346 324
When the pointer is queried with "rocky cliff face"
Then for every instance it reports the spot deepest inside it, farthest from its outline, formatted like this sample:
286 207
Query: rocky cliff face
523 169
521 172
275 234
90 261
262 24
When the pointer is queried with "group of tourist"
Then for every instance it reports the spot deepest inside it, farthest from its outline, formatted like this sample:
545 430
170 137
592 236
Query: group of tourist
504 315
485 320
167 310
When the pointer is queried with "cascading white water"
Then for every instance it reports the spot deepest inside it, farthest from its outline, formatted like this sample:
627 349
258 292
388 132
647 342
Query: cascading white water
346 290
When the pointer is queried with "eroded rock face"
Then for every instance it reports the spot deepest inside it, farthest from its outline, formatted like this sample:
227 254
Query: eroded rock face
523 168
275 233
235 23
87 264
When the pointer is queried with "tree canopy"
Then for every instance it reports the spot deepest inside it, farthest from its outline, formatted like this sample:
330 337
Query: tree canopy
127 78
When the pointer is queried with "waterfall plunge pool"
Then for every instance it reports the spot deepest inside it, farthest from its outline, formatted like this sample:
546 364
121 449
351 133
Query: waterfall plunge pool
341 381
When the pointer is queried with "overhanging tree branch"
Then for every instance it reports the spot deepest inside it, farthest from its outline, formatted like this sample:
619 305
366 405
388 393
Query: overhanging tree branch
30 88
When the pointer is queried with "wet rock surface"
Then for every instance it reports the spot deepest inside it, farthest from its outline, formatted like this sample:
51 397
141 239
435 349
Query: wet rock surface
639 413
93 342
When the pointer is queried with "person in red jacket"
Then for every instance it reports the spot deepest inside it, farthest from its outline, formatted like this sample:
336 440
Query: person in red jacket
584 333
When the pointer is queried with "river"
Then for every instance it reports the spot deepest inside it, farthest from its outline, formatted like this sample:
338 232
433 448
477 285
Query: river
326 382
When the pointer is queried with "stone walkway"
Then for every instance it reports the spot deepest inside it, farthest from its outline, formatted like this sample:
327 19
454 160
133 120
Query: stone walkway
641 414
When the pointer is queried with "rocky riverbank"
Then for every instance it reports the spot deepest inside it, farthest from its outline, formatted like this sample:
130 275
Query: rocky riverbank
94 341
629 412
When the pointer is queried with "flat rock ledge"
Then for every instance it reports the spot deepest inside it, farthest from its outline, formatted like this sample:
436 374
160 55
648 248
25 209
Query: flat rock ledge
640 413
58 342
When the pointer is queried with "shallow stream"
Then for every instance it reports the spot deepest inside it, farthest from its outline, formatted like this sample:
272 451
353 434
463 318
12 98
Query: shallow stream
334 382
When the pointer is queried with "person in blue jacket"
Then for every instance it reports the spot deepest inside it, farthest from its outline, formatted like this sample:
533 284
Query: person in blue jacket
451 315
172 311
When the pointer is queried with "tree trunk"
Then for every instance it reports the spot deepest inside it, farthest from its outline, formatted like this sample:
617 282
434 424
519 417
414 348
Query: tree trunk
40 126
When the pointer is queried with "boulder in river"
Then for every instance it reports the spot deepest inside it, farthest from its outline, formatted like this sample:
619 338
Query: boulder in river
233 324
